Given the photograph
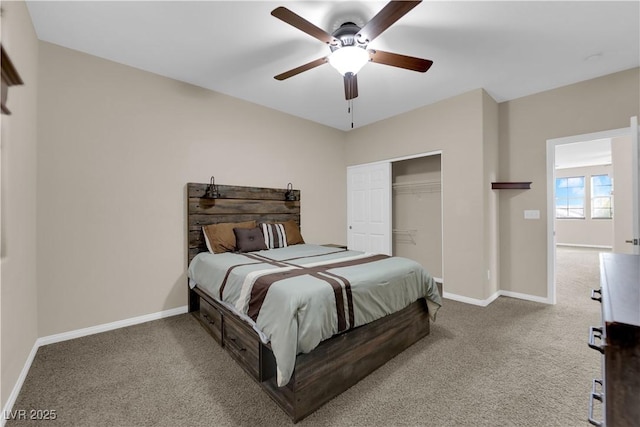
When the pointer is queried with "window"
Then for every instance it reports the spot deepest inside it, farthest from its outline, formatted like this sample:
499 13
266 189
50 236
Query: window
601 196
570 197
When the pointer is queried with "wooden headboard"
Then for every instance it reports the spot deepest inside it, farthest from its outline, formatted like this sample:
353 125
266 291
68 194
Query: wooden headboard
235 204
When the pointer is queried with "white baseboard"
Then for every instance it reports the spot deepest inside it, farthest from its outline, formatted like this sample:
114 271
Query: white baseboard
473 301
18 386
526 297
50 339
486 302
574 245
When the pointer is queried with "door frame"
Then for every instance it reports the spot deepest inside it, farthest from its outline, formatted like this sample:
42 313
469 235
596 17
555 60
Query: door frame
551 175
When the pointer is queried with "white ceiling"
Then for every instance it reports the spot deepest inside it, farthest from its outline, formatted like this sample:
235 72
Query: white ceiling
509 48
581 154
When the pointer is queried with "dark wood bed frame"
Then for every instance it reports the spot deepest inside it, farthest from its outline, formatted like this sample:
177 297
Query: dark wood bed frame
337 363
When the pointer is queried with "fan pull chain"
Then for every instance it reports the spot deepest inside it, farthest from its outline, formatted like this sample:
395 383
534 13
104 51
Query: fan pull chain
350 110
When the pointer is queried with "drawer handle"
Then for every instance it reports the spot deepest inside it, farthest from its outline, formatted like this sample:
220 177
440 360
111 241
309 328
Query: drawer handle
208 319
593 295
595 395
234 340
595 333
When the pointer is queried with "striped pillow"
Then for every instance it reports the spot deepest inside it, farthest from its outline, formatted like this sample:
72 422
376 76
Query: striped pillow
274 235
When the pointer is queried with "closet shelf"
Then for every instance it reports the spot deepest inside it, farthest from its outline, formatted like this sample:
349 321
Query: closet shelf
511 185
416 187
409 234
402 231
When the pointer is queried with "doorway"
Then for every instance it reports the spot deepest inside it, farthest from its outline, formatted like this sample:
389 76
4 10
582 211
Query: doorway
584 177
579 212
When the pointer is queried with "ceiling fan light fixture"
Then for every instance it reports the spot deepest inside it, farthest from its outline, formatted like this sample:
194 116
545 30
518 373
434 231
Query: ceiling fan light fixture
348 59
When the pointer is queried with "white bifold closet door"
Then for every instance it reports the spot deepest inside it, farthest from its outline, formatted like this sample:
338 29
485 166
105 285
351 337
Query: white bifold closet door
369 208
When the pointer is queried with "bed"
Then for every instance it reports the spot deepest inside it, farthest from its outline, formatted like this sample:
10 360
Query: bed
305 321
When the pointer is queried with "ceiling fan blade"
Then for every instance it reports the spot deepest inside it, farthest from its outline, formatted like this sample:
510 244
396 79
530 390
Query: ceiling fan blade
350 86
302 24
400 61
300 69
389 14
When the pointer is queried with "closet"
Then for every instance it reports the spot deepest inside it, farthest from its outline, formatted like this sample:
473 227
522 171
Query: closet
395 207
417 211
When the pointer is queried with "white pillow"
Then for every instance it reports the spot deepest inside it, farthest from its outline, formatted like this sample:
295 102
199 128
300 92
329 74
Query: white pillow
274 235
206 240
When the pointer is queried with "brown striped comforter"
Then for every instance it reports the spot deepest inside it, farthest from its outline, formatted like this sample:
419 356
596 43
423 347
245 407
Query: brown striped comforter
299 295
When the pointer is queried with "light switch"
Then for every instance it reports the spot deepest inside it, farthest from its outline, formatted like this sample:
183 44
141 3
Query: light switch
532 214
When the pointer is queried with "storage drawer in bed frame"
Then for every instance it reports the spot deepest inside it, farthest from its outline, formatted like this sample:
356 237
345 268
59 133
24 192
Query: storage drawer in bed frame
238 337
334 366
211 319
243 346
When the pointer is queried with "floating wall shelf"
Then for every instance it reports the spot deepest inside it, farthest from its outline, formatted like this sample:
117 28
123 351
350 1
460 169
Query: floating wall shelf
511 185
10 77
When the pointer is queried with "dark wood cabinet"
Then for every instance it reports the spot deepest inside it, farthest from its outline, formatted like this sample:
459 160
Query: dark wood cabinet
618 339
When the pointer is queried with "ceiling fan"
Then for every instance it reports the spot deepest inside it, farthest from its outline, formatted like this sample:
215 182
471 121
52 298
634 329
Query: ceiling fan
349 43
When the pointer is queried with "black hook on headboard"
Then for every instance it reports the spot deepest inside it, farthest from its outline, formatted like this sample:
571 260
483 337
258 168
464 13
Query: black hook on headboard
212 190
290 196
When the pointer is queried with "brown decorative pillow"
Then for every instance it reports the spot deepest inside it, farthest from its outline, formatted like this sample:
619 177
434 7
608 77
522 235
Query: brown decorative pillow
221 237
249 239
292 231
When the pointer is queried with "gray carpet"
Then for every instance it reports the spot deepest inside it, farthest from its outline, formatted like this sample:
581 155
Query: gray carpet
513 363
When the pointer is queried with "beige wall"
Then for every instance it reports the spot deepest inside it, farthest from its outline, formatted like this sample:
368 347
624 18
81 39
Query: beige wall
18 293
117 146
585 231
454 126
525 125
